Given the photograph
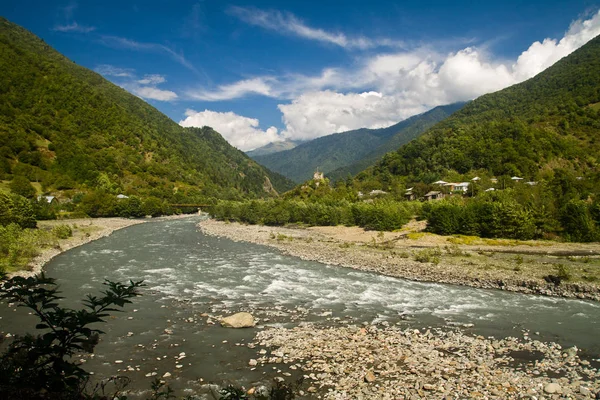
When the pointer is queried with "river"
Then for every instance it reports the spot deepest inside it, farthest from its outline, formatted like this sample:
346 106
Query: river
189 274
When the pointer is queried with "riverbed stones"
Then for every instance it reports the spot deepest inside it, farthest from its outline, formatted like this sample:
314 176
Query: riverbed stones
552 388
391 363
239 320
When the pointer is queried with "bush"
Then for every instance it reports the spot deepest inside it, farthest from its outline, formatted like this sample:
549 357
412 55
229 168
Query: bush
489 215
578 222
21 186
62 231
16 209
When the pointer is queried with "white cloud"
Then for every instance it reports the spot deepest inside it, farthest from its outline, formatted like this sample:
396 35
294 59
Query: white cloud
74 27
241 132
316 114
540 56
152 79
235 90
288 23
153 93
386 88
145 87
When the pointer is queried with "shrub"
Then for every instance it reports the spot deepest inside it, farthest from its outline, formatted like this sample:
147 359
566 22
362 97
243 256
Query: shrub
21 186
428 255
62 231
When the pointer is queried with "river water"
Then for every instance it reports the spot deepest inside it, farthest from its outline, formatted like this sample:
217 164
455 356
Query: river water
189 274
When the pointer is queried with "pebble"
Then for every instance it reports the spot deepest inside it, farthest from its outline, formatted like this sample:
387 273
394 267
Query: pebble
435 363
552 388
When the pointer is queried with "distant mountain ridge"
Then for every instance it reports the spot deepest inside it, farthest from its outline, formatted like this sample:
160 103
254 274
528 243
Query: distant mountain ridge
274 147
69 128
344 153
549 121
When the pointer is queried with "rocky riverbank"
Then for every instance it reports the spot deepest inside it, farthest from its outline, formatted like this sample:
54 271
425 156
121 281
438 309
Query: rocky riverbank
371 362
506 265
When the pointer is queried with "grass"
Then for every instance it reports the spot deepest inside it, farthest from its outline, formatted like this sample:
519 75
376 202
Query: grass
416 235
428 255
476 240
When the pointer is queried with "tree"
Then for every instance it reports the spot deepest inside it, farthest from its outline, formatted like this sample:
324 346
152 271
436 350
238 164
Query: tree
42 366
20 185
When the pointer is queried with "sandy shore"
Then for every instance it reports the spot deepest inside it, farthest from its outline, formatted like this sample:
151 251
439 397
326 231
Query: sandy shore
412 254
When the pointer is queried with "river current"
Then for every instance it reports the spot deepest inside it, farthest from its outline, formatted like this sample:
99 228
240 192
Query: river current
189 274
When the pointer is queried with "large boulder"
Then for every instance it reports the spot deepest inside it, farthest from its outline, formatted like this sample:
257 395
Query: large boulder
239 320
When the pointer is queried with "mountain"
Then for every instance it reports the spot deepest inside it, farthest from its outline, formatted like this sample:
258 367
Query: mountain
407 130
67 127
549 121
344 150
274 147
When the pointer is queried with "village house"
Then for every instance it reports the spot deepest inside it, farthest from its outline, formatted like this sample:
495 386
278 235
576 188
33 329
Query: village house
434 195
409 195
48 199
457 187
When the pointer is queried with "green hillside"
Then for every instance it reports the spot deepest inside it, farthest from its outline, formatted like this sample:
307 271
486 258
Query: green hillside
352 151
546 122
407 130
67 127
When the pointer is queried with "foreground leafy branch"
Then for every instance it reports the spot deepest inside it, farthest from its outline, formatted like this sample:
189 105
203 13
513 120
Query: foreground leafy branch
41 366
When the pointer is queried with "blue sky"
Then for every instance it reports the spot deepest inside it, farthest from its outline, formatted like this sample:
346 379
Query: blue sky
263 71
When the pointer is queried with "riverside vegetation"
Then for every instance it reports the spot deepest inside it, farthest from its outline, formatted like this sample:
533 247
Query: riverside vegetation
564 207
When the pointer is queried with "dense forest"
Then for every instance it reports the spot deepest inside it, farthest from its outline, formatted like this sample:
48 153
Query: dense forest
347 153
67 128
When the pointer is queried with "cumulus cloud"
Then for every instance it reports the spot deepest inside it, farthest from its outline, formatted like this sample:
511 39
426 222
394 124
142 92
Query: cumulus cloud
386 88
289 24
541 55
145 88
316 114
241 132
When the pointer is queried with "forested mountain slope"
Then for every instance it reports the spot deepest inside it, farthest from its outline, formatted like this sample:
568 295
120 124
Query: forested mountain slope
551 120
407 130
343 150
67 127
